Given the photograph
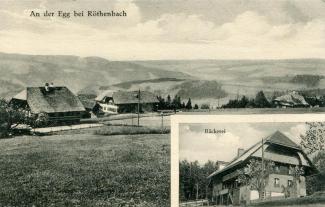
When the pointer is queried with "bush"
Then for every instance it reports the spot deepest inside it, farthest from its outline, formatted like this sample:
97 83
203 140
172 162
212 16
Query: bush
205 106
292 201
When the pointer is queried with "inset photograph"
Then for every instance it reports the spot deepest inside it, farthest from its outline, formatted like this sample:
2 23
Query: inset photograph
252 163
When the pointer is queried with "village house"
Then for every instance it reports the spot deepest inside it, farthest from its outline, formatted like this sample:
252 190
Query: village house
277 148
113 102
292 100
57 102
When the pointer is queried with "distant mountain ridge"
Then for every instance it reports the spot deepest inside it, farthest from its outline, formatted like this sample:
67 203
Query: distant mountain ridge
188 78
18 71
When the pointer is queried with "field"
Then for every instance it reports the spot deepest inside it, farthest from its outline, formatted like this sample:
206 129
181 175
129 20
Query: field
83 169
240 111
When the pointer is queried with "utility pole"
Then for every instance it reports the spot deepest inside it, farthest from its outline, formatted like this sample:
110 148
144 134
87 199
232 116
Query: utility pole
162 121
263 184
139 108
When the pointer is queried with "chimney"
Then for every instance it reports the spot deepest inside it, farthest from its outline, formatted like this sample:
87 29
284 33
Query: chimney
221 164
47 89
240 151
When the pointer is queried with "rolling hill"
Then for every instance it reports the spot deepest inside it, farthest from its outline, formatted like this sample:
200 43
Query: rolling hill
197 90
18 71
230 78
246 77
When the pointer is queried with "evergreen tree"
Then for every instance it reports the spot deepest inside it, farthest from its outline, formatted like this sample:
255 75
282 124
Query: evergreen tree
243 102
161 103
261 101
189 104
177 102
183 105
169 102
196 106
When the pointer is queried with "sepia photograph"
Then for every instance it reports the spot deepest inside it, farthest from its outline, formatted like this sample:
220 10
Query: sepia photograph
251 161
88 89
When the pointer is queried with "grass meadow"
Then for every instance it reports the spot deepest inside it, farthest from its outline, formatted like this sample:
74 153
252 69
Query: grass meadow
85 169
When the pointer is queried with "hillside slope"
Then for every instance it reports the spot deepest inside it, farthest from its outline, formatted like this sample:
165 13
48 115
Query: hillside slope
200 91
246 77
17 71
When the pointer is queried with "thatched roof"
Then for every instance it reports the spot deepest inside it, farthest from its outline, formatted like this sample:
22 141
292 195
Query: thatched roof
277 139
87 102
58 99
128 97
292 99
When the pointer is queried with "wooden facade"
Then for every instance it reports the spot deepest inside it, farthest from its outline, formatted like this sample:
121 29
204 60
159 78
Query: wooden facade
113 102
227 190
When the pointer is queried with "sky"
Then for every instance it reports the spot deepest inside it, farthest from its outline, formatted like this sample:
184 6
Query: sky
169 29
194 144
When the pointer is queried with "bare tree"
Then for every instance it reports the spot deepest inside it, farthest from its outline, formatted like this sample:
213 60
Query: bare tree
296 172
256 175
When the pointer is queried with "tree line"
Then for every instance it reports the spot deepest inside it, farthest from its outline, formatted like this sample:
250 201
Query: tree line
193 182
176 103
260 101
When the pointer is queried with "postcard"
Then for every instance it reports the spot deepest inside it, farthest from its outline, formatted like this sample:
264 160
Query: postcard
248 160
88 88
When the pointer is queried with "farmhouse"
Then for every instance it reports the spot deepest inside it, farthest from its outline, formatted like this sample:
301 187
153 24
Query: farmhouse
88 101
285 154
59 104
112 102
292 100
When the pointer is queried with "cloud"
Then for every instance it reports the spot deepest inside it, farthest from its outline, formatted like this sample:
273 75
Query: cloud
248 34
197 145
294 132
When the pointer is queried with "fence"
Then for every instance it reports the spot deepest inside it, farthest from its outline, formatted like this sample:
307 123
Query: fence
195 203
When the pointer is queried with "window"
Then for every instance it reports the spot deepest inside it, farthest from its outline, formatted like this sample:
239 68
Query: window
290 183
276 169
276 182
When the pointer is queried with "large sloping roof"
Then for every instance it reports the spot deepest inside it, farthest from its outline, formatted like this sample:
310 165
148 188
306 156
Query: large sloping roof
106 93
292 99
58 99
88 103
277 138
128 97
21 96
281 139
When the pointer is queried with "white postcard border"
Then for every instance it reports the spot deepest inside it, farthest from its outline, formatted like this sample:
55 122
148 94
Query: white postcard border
256 118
